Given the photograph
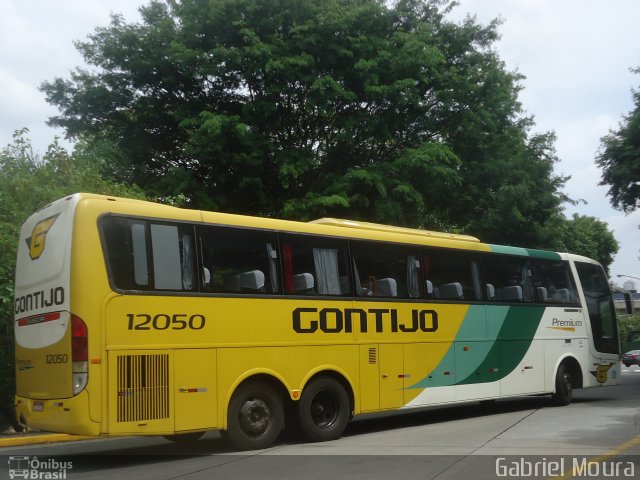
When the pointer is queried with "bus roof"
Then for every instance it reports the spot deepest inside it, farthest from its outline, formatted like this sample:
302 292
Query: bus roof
323 226
378 227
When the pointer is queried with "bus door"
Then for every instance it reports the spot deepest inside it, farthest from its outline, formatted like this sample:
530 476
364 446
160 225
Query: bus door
604 344
381 377
391 375
195 389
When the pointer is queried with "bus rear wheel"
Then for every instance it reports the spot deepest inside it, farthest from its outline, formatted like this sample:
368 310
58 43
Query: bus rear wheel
255 416
323 410
564 387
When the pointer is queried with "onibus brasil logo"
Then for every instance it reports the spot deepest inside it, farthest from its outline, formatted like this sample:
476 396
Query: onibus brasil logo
35 469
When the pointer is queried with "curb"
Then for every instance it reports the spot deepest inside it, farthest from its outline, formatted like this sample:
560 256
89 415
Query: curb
20 440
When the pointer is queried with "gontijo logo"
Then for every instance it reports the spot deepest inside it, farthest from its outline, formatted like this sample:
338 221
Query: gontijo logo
38 237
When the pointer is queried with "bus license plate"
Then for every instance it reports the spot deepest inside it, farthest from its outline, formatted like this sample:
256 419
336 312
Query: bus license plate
38 406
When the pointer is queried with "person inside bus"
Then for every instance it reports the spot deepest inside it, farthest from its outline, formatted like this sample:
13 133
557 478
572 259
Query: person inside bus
368 286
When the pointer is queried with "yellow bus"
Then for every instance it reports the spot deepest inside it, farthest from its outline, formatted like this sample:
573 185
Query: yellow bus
134 318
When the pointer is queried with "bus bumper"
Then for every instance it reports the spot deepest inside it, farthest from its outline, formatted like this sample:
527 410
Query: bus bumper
66 415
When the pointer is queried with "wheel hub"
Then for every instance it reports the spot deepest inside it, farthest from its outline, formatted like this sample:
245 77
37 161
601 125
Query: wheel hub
255 416
324 410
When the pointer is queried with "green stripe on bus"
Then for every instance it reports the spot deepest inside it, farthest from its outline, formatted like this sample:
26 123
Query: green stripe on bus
476 334
510 347
509 250
525 252
478 363
543 254
490 343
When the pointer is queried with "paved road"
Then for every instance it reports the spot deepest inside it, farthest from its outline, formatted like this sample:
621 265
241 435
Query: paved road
467 441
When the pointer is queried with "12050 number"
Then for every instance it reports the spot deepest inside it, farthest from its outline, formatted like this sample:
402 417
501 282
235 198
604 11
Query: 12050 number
57 358
164 321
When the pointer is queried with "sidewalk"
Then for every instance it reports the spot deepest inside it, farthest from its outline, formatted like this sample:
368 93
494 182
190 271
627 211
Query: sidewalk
9 438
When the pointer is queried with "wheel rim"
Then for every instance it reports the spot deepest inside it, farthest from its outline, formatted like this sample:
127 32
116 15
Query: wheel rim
324 409
255 417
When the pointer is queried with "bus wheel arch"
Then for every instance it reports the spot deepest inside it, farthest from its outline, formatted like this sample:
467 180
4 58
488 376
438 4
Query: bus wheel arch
568 377
255 413
325 407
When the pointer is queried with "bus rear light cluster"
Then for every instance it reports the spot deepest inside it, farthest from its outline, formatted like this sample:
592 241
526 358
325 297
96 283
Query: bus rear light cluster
79 353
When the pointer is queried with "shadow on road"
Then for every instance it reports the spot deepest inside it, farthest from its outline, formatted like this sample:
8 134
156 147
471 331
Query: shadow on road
124 453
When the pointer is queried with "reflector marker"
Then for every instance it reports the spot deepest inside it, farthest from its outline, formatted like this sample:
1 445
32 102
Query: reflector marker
36 319
192 390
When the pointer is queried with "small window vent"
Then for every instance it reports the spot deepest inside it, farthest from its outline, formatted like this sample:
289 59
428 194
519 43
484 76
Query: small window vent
373 356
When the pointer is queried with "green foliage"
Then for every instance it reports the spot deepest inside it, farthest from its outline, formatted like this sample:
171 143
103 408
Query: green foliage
588 236
27 183
373 110
629 331
619 159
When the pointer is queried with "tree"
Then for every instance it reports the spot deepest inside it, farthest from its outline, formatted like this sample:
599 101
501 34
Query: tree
307 108
28 182
588 236
619 159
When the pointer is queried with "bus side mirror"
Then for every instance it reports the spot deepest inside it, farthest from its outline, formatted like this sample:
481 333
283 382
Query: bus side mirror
628 300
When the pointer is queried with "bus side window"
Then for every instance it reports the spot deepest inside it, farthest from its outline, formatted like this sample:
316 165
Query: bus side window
553 282
237 260
125 248
450 275
314 265
149 256
507 279
386 271
139 254
173 257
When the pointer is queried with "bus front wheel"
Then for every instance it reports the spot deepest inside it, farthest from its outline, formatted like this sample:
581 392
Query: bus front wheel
564 386
255 417
323 410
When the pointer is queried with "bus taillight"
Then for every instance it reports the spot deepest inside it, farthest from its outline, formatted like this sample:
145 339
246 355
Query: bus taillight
79 353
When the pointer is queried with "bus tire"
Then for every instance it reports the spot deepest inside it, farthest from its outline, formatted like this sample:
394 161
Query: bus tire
323 410
255 416
564 387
